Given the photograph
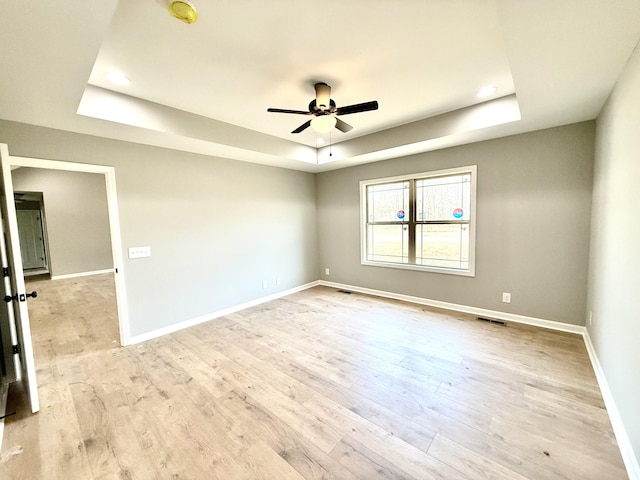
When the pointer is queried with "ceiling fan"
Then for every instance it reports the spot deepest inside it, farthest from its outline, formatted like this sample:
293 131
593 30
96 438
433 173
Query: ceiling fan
324 109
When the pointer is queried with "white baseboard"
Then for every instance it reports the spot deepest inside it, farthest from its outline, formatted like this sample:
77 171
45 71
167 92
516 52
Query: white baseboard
211 316
483 312
81 274
624 443
563 327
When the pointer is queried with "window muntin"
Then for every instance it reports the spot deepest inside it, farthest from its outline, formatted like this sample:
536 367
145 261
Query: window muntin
388 243
443 245
386 200
423 221
438 198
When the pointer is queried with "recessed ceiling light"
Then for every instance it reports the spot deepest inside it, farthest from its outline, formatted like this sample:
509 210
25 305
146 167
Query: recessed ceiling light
486 91
183 11
117 77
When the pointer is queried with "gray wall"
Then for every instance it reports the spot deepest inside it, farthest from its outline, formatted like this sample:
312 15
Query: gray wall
76 216
217 228
614 293
532 239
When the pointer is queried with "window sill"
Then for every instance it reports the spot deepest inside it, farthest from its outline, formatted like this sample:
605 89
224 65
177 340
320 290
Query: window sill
419 268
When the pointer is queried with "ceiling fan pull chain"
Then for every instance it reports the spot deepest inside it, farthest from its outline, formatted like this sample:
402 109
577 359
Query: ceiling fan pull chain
330 154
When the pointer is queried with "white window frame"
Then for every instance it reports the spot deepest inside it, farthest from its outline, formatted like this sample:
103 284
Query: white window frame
470 272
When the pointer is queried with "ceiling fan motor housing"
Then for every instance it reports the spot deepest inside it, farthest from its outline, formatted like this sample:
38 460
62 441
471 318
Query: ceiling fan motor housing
323 96
319 110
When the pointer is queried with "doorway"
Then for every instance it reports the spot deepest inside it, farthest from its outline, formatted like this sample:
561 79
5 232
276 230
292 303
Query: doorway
74 312
108 175
17 314
32 228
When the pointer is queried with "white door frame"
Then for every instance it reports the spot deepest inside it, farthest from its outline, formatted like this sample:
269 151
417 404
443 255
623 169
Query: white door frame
114 224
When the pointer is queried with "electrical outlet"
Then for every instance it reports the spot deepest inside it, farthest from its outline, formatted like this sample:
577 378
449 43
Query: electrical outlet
590 318
506 297
277 280
265 284
139 252
326 271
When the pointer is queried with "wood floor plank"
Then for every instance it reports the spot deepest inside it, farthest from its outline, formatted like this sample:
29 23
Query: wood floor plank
102 430
295 448
64 455
468 462
317 385
205 444
568 459
319 362
264 463
280 396
589 414
382 443
364 463
391 421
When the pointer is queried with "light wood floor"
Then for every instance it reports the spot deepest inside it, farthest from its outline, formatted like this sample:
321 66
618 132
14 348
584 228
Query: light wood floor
318 385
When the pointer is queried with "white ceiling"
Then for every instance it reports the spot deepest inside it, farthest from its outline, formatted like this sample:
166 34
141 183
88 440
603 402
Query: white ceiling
205 87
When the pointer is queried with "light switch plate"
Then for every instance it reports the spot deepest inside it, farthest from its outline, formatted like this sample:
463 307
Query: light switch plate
139 252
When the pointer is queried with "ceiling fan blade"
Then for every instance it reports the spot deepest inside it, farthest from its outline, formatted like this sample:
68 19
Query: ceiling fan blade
360 107
344 127
302 127
284 110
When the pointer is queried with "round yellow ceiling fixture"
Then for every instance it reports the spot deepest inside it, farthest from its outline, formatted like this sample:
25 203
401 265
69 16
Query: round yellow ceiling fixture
184 11
324 123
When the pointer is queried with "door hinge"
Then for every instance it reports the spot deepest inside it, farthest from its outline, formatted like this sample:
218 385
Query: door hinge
16 349
5 271
10 298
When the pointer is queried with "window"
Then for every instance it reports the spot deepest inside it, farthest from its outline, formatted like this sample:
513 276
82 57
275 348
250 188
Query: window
421 222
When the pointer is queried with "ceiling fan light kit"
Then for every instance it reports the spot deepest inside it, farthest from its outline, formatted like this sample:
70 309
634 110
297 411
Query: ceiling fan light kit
324 123
325 111
184 11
